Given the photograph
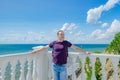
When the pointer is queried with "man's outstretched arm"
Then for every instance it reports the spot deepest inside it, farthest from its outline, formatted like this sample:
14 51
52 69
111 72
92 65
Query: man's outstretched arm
40 49
79 49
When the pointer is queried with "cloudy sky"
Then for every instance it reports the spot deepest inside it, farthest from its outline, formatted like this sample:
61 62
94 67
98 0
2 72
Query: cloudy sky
36 21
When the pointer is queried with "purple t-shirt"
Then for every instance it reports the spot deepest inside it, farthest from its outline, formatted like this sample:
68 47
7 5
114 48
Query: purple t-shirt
60 51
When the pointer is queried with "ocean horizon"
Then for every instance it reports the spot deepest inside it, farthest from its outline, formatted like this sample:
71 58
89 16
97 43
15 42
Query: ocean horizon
21 48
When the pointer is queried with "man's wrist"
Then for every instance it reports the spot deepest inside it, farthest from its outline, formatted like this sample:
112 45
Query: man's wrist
86 52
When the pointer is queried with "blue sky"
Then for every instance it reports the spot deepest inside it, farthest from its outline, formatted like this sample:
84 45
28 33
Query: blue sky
36 21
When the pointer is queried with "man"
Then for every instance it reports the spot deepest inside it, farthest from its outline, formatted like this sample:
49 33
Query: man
59 54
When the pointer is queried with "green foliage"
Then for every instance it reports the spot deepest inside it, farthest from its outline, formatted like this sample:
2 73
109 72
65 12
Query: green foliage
119 64
97 52
80 64
88 68
114 47
98 68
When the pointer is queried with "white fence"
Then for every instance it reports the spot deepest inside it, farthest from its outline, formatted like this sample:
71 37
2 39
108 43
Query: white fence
26 66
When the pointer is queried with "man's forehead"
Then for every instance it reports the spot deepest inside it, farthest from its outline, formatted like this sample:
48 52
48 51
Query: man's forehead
61 32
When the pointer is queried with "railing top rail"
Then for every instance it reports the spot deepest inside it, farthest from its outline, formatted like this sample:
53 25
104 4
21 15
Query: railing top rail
15 54
72 53
93 54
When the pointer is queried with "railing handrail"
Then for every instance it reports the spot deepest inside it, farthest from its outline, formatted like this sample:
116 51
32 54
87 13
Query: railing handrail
93 54
15 54
70 52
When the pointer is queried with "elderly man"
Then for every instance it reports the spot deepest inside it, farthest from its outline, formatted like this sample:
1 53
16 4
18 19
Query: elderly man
59 54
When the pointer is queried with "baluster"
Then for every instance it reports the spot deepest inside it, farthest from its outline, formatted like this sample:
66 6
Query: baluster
13 69
34 74
39 66
2 69
2 73
73 68
93 59
82 57
22 61
50 72
115 67
103 62
29 76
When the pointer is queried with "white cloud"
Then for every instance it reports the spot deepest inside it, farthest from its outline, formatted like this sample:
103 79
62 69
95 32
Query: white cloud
109 33
70 32
104 25
33 37
65 26
74 35
94 14
115 27
68 27
79 33
96 33
110 4
27 37
72 26
11 37
30 32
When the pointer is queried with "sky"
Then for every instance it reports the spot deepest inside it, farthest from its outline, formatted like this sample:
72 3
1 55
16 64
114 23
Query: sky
37 21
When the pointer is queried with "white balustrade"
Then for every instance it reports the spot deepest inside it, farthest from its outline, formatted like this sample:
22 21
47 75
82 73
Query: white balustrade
40 65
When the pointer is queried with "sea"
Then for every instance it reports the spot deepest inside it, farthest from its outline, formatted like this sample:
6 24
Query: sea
21 48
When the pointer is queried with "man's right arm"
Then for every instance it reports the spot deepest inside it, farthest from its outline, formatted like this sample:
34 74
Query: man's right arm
40 49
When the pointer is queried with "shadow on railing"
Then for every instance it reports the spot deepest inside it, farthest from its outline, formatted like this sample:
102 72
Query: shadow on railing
26 66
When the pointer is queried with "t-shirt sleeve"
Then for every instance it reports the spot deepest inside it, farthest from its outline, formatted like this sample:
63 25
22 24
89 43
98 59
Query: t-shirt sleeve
51 44
69 44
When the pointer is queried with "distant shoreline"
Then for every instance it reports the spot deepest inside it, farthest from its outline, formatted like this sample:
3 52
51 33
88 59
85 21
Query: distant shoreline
47 43
19 48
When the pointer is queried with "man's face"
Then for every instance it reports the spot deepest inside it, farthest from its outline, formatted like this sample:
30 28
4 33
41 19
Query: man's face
61 35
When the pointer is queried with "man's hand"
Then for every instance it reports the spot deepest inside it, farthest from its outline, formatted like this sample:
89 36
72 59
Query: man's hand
39 49
88 53
34 51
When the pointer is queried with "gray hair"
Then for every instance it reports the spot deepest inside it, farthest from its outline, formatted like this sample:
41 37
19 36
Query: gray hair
59 31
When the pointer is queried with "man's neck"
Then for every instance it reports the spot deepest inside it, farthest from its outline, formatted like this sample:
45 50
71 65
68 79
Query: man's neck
60 40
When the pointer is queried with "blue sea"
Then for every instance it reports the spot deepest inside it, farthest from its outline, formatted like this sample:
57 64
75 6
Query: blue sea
19 48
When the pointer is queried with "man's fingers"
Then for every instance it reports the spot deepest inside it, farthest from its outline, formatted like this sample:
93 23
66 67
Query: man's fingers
89 53
34 51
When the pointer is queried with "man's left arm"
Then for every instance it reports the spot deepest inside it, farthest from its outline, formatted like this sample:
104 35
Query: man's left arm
79 49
